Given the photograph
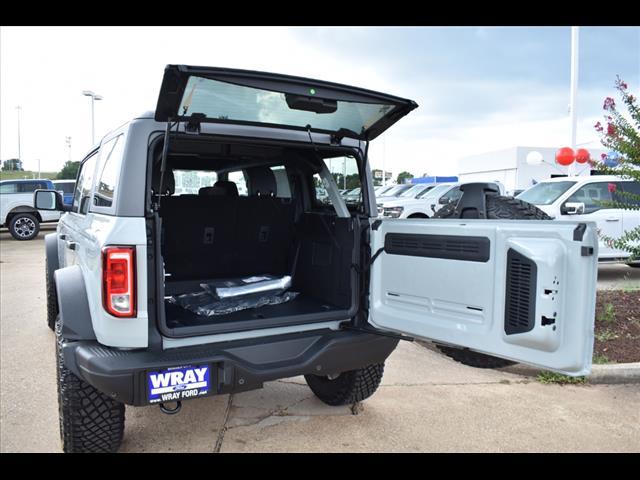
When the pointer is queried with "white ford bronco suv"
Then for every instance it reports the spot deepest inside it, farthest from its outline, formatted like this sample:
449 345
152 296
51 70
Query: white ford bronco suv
196 259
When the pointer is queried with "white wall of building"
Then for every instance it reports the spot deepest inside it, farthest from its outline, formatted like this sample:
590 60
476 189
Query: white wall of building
510 167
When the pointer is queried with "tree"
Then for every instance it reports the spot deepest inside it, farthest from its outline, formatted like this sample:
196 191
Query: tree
622 135
13 164
402 176
69 171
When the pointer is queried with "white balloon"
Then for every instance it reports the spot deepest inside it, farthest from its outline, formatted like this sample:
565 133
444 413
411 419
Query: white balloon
534 158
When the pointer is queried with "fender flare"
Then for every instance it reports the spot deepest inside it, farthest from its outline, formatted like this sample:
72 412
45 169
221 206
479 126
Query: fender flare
75 314
23 209
51 253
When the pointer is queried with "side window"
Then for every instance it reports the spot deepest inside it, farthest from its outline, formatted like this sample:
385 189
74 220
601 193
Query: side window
239 179
632 188
593 195
345 173
453 195
110 160
82 195
189 182
9 187
30 187
282 182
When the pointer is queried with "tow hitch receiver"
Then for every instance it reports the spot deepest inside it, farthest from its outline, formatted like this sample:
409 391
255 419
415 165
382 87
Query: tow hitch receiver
171 411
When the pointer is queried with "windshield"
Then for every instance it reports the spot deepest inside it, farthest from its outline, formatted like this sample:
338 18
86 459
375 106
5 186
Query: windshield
382 190
226 101
414 191
395 191
545 193
437 190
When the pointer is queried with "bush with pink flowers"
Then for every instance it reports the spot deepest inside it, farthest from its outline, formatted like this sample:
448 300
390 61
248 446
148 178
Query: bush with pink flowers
621 133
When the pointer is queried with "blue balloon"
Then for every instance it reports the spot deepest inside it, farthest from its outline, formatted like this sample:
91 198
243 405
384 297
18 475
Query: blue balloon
612 159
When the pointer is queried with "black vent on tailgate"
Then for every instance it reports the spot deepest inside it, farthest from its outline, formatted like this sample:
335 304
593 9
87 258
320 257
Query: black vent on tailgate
520 305
452 247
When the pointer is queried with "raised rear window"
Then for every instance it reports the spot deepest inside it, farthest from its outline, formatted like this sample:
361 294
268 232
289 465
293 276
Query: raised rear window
226 101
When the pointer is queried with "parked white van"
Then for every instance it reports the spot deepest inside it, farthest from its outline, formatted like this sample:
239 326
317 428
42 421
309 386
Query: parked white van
584 198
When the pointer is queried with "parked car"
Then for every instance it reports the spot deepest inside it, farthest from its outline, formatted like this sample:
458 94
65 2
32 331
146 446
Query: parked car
379 191
127 268
394 191
17 212
402 201
427 203
586 199
66 187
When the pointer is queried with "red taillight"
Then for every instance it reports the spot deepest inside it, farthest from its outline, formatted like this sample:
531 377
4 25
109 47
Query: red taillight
118 281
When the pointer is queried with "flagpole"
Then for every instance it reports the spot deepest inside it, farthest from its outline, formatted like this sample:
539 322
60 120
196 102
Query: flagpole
573 92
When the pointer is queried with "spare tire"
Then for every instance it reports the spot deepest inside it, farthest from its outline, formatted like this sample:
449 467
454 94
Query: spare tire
498 208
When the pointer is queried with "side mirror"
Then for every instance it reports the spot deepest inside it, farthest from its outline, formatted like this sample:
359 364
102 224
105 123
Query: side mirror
49 200
443 200
573 208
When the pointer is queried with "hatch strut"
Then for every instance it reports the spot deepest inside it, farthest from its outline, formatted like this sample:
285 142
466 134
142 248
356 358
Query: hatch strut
163 163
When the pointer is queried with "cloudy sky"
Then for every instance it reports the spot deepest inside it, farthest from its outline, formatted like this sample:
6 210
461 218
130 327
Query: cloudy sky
479 89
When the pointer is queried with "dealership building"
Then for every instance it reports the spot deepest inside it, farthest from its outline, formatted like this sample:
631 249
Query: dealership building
510 167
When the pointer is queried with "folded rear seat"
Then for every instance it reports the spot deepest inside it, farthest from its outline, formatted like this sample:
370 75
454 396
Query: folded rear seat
218 234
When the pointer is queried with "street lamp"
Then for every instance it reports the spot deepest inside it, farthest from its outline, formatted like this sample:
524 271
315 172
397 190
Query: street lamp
68 142
18 108
94 97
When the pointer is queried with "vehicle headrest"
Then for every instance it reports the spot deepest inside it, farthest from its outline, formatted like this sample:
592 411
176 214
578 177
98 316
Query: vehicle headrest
230 188
262 182
169 183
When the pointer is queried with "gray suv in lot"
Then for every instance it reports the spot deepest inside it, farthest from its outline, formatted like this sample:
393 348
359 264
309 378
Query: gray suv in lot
196 258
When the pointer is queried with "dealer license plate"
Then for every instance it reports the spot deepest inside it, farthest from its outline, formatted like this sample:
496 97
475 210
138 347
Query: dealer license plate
179 383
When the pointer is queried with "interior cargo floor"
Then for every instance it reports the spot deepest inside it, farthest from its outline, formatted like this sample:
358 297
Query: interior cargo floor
301 305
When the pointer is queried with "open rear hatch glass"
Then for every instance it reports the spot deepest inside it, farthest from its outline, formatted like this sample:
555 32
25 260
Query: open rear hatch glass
266 99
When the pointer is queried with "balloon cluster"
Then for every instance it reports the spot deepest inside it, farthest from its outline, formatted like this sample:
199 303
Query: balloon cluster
566 156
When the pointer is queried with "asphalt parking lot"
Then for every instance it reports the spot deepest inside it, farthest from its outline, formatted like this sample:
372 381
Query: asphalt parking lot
427 402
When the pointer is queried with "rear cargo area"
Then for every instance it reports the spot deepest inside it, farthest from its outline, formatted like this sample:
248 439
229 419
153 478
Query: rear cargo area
218 234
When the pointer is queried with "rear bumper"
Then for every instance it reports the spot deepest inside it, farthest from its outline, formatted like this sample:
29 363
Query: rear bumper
237 366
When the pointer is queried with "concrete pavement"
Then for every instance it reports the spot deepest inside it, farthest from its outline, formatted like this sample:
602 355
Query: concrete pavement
427 402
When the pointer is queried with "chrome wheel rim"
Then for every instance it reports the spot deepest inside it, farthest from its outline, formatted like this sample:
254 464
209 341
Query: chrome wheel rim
24 227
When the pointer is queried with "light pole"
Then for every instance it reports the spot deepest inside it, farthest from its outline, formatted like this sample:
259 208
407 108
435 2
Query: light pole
94 97
18 108
68 141
573 92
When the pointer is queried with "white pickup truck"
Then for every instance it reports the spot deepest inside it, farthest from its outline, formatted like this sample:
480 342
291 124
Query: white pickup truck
16 207
586 199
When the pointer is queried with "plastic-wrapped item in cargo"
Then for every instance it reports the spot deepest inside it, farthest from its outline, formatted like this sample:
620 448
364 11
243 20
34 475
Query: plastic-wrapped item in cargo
246 286
221 297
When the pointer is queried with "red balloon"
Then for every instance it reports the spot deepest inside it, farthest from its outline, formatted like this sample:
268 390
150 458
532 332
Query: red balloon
582 155
565 156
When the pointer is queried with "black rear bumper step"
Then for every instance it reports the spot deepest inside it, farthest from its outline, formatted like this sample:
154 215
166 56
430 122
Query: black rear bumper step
237 366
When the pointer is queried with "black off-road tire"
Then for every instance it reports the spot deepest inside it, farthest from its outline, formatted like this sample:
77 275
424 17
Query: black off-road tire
24 226
498 208
52 298
348 387
501 208
90 421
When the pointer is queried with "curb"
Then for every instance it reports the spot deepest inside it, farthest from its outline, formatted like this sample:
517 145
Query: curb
614 373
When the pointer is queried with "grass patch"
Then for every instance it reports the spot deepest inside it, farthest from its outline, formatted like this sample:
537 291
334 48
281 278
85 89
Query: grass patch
557 378
601 359
606 335
20 175
608 314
